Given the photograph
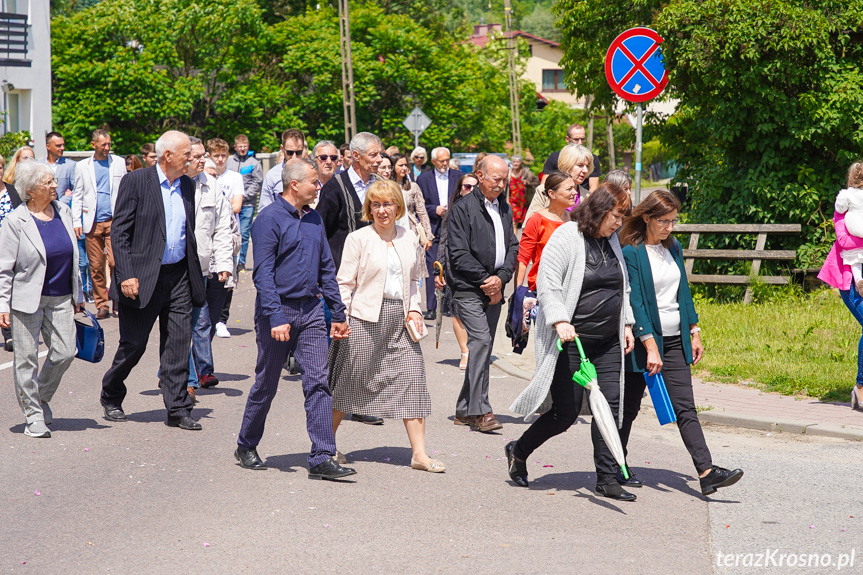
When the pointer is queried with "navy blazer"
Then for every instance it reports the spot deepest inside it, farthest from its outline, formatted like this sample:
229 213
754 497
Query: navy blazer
428 186
644 308
138 236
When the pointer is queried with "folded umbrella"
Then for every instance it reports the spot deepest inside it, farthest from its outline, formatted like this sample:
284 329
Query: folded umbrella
586 377
438 293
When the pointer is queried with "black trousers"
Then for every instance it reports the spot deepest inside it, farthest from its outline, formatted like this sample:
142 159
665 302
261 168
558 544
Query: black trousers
217 294
678 382
171 303
566 397
225 312
431 256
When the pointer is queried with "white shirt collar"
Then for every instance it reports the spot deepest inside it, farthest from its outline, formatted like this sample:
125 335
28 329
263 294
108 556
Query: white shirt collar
443 176
355 178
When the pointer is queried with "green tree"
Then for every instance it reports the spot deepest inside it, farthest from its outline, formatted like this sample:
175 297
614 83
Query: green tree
771 96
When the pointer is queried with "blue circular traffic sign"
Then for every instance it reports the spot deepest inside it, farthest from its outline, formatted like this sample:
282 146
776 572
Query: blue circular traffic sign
634 67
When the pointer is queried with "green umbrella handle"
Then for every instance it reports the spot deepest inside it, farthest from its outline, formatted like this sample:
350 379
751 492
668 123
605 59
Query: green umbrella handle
577 342
625 471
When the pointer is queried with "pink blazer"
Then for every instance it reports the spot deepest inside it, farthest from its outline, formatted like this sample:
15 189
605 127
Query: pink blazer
834 272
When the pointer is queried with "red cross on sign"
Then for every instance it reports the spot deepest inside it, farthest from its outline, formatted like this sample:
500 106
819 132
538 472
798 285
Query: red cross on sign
633 65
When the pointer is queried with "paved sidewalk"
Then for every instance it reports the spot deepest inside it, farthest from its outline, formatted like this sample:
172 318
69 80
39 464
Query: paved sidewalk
728 404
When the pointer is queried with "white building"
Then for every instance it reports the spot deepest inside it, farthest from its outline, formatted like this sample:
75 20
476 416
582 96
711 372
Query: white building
25 69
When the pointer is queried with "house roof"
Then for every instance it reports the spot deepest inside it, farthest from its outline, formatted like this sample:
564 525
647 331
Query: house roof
481 40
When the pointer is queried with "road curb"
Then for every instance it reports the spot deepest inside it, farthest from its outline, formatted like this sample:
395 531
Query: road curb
730 419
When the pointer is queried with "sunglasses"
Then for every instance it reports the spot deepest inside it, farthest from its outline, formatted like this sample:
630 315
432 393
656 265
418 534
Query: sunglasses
332 157
290 153
467 187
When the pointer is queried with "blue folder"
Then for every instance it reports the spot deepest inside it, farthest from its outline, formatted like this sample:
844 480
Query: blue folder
659 396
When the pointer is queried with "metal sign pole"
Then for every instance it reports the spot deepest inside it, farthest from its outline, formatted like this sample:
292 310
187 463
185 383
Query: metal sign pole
639 112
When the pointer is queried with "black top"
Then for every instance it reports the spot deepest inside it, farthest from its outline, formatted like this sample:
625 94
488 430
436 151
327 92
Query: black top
597 315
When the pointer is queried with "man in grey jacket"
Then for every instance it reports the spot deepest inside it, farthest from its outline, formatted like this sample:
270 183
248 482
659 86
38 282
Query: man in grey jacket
482 252
248 166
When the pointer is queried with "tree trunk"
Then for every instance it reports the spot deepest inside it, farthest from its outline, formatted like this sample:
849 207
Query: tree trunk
609 130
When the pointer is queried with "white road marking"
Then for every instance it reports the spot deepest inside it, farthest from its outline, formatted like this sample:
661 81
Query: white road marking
9 364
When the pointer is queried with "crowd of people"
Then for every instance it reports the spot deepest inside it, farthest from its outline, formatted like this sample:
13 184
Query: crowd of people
342 240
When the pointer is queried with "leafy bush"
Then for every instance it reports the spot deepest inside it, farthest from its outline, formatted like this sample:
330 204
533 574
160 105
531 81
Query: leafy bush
11 141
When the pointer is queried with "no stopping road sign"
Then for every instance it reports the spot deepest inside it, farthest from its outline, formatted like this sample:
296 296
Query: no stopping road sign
633 65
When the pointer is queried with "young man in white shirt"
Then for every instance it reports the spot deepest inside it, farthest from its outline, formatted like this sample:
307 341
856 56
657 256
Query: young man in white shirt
231 185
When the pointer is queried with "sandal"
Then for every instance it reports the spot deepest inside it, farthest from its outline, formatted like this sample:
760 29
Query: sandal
855 401
340 458
433 466
463 363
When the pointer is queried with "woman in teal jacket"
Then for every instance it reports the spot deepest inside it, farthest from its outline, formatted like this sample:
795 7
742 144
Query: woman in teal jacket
664 312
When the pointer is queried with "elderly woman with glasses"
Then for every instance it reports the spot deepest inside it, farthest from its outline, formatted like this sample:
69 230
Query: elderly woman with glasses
40 290
379 370
666 325
575 160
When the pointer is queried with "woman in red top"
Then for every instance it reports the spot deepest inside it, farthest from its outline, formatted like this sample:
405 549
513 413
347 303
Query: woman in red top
561 192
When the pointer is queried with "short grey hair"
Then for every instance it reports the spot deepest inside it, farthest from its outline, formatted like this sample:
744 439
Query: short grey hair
418 151
517 157
195 140
294 170
170 140
321 144
28 175
438 150
618 178
363 141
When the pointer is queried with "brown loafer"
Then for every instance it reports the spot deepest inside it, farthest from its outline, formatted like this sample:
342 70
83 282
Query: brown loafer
487 423
192 394
103 313
466 420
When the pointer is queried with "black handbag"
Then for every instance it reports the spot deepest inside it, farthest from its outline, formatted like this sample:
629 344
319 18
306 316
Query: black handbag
89 338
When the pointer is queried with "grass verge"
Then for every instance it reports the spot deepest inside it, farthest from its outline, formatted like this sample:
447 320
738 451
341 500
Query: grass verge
800 345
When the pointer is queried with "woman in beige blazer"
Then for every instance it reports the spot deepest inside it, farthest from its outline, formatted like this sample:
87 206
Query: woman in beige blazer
379 370
40 289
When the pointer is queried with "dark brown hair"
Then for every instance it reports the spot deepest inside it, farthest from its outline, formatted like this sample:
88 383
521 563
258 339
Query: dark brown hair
656 205
554 180
590 213
456 194
133 162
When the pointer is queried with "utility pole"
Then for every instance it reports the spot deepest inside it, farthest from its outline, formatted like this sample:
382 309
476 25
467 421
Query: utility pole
609 132
512 46
347 71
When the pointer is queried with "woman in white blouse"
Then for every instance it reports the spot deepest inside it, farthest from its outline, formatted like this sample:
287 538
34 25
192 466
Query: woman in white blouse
668 338
379 370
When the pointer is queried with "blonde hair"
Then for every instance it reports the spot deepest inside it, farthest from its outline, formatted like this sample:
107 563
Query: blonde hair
383 190
9 176
572 155
855 175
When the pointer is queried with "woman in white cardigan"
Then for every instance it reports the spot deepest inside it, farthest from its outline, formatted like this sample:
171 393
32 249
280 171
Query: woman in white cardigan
583 291
379 370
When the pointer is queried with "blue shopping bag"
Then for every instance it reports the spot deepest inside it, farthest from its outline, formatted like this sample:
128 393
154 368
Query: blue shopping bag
659 396
89 338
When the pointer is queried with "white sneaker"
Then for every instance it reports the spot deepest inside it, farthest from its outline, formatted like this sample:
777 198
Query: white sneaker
37 429
222 330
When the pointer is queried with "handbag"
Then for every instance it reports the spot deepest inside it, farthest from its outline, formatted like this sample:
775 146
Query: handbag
416 335
659 396
89 338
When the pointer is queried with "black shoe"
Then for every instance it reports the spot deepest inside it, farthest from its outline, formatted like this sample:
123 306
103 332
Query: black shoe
113 413
631 482
614 491
329 469
183 422
517 469
248 458
241 268
367 419
9 346
430 315
719 477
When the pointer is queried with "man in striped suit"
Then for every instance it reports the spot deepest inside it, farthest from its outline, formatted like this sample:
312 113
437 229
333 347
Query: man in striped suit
156 275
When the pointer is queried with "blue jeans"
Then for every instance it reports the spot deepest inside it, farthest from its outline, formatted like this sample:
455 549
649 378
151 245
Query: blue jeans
854 302
246 215
84 267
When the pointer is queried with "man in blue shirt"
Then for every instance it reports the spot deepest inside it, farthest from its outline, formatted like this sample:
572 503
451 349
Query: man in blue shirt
294 269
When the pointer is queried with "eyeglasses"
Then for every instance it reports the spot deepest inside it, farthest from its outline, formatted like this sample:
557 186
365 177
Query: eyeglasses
377 206
332 157
467 187
666 223
291 153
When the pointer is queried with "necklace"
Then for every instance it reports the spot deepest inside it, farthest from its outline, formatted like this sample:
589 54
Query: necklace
658 249
601 246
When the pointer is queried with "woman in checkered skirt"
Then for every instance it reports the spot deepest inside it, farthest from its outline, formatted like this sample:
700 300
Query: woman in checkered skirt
379 369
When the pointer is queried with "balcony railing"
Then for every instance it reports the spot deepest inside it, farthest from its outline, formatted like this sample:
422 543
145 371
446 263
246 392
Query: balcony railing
13 39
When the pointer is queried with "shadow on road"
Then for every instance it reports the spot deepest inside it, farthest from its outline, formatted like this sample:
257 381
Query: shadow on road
232 376
159 416
227 391
390 455
67 424
290 463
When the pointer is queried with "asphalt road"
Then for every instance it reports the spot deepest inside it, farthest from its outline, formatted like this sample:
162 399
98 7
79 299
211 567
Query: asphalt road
140 497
